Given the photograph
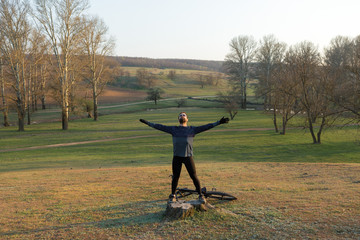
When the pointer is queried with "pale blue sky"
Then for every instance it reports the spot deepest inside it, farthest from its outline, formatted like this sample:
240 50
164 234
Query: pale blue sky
202 29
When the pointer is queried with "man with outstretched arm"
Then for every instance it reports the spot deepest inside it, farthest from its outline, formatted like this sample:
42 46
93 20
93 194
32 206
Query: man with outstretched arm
183 137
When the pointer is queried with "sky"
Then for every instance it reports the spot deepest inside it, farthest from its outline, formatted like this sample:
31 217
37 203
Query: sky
202 29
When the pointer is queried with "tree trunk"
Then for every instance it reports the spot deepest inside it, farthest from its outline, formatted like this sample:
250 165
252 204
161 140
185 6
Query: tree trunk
35 103
21 111
28 98
21 122
311 128
245 101
95 101
275 120
6 117
42 97
65 94
284 123
232 114
242 94
183 209
20 105
5 108
43 106
34 90
65 111
65 118
320 130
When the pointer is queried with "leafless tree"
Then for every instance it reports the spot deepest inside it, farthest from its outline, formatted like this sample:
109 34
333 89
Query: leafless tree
39 58
313 87
43 80
61 22
15 29
172 75
145 78
269 58
231 103
201 79
207 79
284 92
96 46
342 60
238 61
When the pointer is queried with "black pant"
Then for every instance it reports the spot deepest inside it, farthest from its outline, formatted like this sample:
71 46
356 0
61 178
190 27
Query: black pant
190 167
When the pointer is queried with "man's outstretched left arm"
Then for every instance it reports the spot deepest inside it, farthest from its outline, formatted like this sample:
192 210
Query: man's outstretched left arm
160 127
211 125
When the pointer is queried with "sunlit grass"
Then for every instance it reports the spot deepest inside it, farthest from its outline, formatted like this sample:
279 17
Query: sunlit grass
275 200
127 142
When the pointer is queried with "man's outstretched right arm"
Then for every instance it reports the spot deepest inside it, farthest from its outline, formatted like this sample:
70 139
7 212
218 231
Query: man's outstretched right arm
144 121
160 127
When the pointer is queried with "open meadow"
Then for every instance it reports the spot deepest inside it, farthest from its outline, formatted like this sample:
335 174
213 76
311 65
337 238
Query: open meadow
110 180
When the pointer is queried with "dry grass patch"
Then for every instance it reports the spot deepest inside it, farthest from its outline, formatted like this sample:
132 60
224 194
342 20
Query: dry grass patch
276 200
115 95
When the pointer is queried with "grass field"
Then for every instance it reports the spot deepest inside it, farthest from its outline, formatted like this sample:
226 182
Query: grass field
287 188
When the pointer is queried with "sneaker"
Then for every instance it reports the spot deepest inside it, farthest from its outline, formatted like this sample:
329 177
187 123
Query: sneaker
202 198
172 198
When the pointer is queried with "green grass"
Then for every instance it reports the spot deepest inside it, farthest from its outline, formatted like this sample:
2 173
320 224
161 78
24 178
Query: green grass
226 143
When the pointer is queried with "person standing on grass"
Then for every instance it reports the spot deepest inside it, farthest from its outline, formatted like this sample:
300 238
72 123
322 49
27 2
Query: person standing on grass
183 137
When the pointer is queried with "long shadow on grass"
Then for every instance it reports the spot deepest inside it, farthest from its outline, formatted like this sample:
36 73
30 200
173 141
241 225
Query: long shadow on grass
137 213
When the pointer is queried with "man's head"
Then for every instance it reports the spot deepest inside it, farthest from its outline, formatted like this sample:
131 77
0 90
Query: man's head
183 118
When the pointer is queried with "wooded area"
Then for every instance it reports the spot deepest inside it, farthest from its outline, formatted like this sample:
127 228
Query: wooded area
297 80
63 50
55 48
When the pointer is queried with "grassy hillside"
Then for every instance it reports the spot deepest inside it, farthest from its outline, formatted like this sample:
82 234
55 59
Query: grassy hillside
243 140
169 63
117 187
184 84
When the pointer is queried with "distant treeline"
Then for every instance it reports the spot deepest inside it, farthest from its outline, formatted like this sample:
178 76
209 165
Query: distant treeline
204 65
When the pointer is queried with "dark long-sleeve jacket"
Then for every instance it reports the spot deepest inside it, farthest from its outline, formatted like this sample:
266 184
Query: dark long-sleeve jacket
183 137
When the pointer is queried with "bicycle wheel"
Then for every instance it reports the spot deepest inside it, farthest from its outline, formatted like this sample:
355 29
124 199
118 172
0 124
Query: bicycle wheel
220 195
184 192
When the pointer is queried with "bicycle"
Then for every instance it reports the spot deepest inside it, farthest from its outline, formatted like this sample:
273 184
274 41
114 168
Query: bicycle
184 192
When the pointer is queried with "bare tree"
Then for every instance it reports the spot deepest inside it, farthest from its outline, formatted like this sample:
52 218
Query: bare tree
284 92
230 103
96 46
209 79
172 75
44 75
39 57
15 29
313 87
61 22
269 58
237 62
342 59
145 78
201 79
